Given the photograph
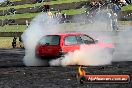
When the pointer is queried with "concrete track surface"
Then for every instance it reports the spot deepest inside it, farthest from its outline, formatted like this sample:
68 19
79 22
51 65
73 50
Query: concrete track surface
13 73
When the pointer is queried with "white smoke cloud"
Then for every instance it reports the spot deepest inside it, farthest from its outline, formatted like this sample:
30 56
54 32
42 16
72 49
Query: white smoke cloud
92 55
39 26
123 45
43 25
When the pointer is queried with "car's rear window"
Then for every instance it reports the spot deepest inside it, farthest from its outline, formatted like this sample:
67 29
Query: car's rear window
50 40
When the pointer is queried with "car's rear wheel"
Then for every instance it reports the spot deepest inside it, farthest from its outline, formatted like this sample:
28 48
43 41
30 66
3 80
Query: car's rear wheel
44 60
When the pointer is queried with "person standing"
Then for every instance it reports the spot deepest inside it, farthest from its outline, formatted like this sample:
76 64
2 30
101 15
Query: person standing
27 24
14 42
114 21
109 20
115 8
20 42
50 14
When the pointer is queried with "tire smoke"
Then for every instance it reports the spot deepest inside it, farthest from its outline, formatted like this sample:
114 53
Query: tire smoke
44 25
123 45
39 26
94 56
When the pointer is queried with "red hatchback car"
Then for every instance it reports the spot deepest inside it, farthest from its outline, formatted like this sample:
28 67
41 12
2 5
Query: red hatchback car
57 45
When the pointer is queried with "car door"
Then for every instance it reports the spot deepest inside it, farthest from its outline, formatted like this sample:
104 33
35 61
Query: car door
87 39
71 43
88 42
49 45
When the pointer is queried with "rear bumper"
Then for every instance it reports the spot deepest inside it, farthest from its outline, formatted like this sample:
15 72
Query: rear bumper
50 57
47 57
62 54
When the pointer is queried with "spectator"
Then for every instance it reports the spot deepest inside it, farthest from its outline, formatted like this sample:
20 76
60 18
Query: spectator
93 3
50 14
109 20
20 42
63 17
115 8
8 2
128 1
46 7
123 2
55 15
39 1
14 42
98 5
59 16
27 24
114 21
12 10
114 1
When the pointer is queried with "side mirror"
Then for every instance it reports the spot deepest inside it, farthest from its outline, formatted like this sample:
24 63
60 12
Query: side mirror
96 41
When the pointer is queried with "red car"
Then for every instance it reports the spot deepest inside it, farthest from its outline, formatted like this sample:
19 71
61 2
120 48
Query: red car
57 45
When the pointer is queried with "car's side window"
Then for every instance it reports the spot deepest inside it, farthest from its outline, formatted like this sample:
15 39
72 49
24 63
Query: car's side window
70 40
79 40
87 40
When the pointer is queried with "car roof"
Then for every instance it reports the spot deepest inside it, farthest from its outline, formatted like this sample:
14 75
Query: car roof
70 33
